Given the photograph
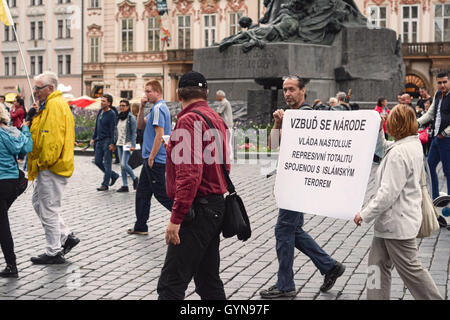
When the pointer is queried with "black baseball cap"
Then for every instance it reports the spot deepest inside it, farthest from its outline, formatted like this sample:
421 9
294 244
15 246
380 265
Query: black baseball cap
193 79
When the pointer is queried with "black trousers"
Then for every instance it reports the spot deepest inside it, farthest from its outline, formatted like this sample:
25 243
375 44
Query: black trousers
8 193
197 256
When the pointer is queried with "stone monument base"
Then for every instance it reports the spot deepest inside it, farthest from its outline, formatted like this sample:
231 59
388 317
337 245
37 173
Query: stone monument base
368 61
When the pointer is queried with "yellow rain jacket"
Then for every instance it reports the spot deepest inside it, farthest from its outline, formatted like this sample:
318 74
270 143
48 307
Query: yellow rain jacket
53 133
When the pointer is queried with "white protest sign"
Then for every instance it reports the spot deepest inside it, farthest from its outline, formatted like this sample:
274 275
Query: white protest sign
325 161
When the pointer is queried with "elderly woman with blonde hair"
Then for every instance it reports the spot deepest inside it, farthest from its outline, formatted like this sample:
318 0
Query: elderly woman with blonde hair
12 142
396 209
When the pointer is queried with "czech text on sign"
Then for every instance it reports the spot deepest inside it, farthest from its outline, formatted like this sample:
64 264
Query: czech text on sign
325 161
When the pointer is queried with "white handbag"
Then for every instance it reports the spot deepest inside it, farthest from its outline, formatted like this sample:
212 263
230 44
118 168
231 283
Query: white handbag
430 223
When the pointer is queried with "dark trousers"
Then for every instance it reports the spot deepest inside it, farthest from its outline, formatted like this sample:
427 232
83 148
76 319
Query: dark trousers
103 160
197 256
152 181
439 152
8 194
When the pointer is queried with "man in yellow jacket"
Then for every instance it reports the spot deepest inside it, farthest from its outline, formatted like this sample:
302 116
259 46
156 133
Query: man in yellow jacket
51 163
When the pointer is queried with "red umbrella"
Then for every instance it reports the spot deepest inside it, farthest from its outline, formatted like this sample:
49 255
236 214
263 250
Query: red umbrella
82 102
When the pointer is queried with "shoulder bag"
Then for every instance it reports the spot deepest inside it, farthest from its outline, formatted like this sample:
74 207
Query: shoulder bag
235 219
430 223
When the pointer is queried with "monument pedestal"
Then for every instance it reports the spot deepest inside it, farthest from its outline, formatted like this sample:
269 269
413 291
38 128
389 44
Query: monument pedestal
368 61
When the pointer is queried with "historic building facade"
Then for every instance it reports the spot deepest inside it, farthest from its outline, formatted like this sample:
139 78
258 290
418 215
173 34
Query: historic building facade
50 33
424 28
127 43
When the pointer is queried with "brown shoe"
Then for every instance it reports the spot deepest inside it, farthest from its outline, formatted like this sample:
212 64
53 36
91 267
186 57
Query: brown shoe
132 231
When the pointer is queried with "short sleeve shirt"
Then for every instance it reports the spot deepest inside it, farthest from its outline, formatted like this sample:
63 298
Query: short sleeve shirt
159 116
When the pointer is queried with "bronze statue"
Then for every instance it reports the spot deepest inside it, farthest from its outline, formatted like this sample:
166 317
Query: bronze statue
307 21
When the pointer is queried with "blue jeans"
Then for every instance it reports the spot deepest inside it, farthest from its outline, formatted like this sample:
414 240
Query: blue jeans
124 156
103 160
289 234
151 181
439 151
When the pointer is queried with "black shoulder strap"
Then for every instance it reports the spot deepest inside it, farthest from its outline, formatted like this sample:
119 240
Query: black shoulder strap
230 185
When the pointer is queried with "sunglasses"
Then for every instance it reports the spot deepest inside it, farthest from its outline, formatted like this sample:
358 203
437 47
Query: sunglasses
442 82
36 88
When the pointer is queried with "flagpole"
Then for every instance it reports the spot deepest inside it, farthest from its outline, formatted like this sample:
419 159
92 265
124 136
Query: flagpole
23 61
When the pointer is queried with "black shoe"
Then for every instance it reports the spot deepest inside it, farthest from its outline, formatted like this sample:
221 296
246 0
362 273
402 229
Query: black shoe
123 189
135 183
70 243
442 222
45 259
9 272
113 180
102 188
331 277
273 293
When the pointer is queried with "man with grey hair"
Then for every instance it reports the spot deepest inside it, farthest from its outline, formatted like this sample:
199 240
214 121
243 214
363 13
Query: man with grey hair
51 163
224 109
226 112
342 103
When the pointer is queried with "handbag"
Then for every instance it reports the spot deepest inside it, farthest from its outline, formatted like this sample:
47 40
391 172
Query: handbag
429 215
135 159
235 219
22 181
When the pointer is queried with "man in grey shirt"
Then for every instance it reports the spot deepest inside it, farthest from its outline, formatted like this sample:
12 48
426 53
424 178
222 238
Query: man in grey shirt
226 112
224 109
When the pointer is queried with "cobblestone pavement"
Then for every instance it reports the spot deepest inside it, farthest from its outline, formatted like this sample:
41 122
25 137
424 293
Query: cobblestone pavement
109 264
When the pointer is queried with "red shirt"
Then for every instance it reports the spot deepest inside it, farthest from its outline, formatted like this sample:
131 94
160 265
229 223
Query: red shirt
17 116
384 112
192 166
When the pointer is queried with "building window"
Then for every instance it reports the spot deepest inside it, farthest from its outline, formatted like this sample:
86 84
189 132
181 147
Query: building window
68 64
60 28
127 35
6 66
154 34
94 4
210 29
32 30
377 16
13 66
41 30
33 65
410 23
126 94
442 22
94 50
60 64
234 22
184 32
6 38
40 64
12 3
68 28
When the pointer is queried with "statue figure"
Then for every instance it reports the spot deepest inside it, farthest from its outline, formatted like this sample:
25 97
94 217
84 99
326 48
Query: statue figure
308 21
272 9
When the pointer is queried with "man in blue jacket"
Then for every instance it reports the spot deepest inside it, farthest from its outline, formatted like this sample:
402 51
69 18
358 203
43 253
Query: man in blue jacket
104 138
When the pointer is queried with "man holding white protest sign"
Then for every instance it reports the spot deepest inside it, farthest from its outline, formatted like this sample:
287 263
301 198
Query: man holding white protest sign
288 230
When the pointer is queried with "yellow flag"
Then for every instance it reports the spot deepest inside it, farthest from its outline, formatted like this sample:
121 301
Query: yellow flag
5 14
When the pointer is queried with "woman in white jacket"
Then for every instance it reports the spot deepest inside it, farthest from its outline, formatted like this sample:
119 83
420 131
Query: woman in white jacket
396 209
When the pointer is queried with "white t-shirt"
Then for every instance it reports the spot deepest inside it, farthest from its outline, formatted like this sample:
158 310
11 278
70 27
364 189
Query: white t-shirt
121 131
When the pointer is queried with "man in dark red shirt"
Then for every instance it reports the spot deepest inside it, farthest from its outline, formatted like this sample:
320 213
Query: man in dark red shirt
196 183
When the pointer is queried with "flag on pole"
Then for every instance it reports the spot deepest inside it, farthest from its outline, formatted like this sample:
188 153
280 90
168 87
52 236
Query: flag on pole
18 89
5 14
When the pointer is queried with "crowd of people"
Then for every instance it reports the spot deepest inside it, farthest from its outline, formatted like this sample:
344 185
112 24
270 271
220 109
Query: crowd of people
193 189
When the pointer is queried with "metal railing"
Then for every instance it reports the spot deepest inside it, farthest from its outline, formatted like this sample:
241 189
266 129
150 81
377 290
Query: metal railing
426 49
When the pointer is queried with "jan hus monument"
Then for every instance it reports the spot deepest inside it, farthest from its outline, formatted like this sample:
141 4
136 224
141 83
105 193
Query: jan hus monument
327 42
